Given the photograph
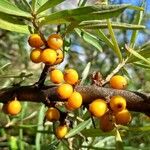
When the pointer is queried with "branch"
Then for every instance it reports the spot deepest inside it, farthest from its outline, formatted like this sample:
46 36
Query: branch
139 102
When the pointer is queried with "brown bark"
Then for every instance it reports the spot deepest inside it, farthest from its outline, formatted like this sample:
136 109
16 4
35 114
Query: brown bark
139 102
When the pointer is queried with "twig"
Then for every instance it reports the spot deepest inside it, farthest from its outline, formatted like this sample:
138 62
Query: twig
104 82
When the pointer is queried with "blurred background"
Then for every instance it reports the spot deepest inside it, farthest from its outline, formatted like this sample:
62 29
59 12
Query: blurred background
16 67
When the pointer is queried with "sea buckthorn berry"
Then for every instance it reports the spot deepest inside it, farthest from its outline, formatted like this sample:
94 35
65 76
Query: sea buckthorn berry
98 107
55 41
13 107
61 131
106 122
56 76
75 100
60 56
35 41
71 76
35 55
52 114
64 91
68 107
118 82
48 56
123 117
117 103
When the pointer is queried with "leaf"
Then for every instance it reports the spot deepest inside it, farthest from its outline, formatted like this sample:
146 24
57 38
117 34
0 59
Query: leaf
10 8
78 128
95 12
34 3
105 38
12 24
48 5
85 73
142 65
96 133
137 55
119 143
40 127
89 38
138 20
96 24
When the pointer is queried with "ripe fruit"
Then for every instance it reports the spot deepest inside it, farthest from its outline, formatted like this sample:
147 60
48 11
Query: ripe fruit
106 122
98 107
35 55
118 82
71 76
56 76
68 107
52 114
61 131
35 41
13 107
55 41
48 56
75 100
59 56
123 117
64 91
117 103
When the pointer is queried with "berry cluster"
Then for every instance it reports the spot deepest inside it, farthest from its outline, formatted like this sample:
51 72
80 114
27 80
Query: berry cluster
51 53
110 111
67 94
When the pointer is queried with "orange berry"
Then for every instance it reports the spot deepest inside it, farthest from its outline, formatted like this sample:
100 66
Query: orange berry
61 131
48 56
123 117
35 55
35 41
55 41
52 114
75 100
106 122
64 91
117 103
13 107
118 82
68 107
98 107
56 76
60 56
71 76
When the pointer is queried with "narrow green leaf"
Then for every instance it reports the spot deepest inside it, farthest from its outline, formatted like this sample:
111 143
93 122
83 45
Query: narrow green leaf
34 3
89 38
105 38
40 127
119 144
138 20
142 65
12 24
136 54
10 8
84 13
78 128
85 73
96 133
115 43
48 5
115 25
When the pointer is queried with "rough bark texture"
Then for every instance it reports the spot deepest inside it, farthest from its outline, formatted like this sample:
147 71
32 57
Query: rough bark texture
139 102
